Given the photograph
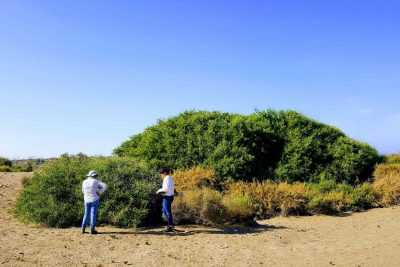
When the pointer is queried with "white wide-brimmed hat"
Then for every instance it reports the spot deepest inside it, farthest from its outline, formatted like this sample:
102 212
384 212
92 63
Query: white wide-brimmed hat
92 174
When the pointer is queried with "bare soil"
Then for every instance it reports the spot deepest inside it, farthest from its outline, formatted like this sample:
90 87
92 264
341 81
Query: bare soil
363 239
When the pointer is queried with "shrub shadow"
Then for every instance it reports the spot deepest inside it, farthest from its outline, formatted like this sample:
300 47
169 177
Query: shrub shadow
193 230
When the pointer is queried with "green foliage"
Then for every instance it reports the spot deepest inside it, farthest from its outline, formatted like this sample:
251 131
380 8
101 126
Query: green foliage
238 208
5 168
227 142
5 162
282 146
329 197
5 165
364 197
53 196
28 165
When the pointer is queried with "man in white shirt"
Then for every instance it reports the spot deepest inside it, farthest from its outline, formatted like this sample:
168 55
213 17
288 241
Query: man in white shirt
91 189
167 191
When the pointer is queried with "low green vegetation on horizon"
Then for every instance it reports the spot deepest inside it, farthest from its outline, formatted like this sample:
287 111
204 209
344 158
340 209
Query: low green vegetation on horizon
27 165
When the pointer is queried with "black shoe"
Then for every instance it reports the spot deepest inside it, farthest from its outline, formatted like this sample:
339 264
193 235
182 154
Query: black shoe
170 229
83 230
93 232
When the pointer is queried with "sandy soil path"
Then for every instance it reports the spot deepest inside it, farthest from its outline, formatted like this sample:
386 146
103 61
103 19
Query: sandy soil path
364 239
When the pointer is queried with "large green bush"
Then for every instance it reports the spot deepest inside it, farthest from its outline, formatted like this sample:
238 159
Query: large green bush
282 146
233 145
53 196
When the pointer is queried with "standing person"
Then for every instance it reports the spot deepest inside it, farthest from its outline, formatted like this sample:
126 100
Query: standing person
167 191
92 189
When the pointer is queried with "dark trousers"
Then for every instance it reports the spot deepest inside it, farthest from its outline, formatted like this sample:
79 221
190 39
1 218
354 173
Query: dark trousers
166 209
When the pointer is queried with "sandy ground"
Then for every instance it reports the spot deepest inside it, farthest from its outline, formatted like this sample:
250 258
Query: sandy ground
364 239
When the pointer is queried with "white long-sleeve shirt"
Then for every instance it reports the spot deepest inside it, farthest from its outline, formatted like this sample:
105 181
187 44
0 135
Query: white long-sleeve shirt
92 188
168 186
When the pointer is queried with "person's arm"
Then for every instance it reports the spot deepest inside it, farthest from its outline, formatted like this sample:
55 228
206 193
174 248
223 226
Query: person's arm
164 187
102 187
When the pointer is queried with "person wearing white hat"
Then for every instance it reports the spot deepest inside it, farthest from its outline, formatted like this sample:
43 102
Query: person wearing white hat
92 189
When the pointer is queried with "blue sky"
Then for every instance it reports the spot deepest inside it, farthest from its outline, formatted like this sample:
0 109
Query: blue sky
82 76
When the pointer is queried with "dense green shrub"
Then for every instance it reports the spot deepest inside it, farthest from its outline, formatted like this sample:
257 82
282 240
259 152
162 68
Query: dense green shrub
53 196
5 162
229 143
282 146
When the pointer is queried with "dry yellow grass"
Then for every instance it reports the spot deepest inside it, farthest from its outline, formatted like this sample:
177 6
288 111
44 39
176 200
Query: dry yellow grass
240 200
201 205
394 158
271 198
193 178
387 183
387 169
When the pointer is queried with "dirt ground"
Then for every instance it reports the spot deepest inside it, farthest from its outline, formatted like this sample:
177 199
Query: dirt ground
364 239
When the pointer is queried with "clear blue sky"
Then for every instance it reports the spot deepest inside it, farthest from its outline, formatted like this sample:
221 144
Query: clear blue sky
85 75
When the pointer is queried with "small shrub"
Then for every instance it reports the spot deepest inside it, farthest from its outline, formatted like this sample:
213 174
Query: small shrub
210 207
25 181
212 210
200 206
259 193
363 197
5 168
324 186
5 162
292 198
239 209
186 207
329 203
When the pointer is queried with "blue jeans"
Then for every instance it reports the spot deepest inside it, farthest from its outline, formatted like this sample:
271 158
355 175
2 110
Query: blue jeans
90 214
166 209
